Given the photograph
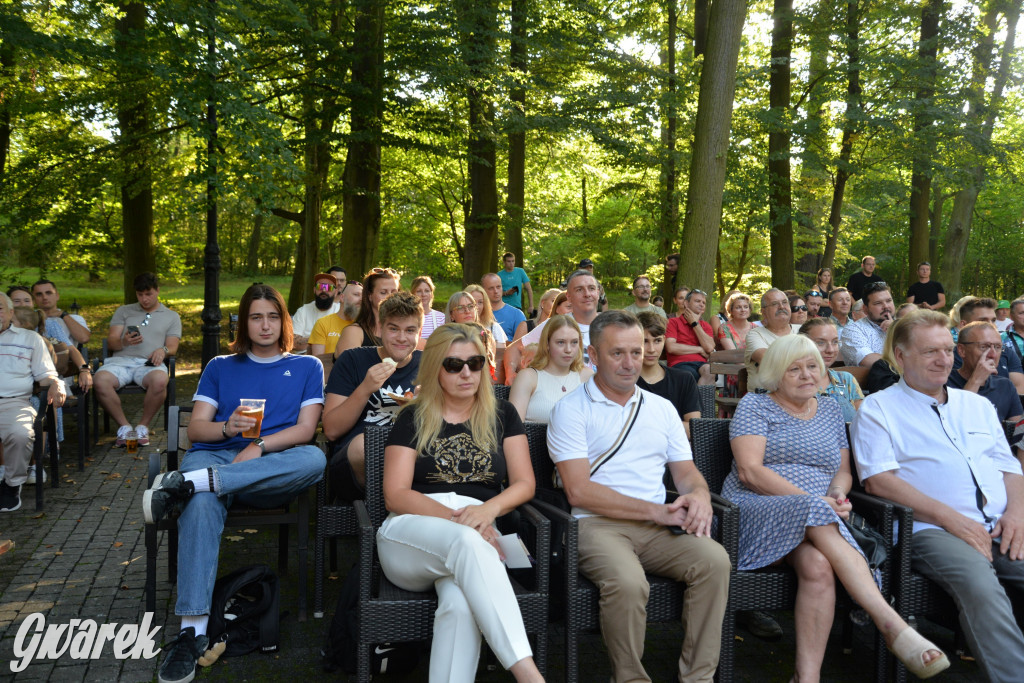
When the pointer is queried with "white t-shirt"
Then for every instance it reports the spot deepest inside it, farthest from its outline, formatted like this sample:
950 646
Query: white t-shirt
307 315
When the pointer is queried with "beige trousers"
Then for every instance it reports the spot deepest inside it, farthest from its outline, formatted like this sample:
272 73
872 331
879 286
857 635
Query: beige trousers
615 553
16 416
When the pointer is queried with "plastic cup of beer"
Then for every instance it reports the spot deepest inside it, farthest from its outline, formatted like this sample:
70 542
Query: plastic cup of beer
131 442
253 407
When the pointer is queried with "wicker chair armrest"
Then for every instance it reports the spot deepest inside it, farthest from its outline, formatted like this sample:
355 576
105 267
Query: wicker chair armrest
367 548
541 546
728 531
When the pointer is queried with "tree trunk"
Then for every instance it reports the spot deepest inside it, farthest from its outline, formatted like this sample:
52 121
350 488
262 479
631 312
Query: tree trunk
780 200
981 116
252 261
479 23
669 224
6 95
700 28
316 164
139 248
924 138
361 179
843 167
935 223
811 190
516 200
702 222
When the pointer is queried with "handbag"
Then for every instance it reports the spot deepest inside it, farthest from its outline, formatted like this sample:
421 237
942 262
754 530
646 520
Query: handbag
870 541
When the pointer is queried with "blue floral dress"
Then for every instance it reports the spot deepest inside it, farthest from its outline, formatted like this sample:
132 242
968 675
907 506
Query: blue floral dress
806 453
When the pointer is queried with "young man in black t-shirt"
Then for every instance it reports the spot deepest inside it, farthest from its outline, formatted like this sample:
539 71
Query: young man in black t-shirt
368 385
926 293
862 278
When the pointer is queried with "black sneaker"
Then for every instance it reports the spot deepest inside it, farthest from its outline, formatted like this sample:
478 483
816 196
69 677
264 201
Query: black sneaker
761 624
179 666
168 491
10 497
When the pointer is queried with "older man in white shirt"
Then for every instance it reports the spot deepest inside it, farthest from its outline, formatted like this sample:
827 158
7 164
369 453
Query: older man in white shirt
24 359
941 451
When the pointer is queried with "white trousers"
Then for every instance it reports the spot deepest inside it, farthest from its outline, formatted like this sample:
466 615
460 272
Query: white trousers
474 595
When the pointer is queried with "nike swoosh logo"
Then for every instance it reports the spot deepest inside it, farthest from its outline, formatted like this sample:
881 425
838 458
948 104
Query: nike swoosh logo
378 650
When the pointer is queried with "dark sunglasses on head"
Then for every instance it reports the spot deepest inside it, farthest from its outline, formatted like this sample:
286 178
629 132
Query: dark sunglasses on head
696 291
454 365
874 287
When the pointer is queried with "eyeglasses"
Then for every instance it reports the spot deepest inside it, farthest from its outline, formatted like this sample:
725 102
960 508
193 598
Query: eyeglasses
797 309
464 309
874 287
453 366
984 346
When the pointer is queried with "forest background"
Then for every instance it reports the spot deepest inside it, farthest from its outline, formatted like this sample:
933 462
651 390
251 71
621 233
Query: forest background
763 140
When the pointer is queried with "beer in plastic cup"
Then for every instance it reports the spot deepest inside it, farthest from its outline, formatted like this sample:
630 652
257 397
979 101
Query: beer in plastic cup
253 407
131 442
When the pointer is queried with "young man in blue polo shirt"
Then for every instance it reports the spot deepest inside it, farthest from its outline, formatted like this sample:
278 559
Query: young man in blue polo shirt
224 466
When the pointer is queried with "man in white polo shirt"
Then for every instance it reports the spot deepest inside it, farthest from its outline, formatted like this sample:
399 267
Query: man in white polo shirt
863 340
941 451
611 442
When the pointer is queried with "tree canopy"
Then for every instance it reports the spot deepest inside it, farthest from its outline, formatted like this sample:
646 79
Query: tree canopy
431 137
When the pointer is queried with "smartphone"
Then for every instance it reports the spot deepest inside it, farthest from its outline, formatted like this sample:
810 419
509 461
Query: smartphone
133 329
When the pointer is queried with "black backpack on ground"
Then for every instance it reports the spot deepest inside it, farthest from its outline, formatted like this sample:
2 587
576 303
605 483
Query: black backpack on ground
339 651
246 611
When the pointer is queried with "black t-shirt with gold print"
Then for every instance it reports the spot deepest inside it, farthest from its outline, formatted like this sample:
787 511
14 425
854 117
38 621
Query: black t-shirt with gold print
454 462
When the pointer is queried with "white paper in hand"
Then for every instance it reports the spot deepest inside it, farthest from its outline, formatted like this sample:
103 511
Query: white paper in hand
516 554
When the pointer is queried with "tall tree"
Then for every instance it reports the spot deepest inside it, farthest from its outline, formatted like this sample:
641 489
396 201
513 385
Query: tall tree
361 184
851 118
924 139
669 220
702 223
982 112
479 23
136 149
780 197
515 202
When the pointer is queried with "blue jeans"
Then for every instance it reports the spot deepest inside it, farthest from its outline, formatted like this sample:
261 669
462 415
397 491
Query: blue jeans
267 482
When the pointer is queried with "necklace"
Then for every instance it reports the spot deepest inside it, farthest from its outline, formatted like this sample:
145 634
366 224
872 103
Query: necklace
802 415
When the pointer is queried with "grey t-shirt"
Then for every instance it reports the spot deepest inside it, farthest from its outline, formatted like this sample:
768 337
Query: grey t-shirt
161 323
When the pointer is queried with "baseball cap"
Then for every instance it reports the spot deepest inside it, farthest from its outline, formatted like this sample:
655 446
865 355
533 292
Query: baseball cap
1003 303
326 276
586 263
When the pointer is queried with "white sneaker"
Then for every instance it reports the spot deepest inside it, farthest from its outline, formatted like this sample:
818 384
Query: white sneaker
143 432
122 435
32 475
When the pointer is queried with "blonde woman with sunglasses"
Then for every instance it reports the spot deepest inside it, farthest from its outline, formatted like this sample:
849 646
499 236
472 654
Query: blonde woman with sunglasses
449 452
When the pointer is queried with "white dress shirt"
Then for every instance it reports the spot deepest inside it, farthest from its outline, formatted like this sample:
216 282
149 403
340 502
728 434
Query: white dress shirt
941 449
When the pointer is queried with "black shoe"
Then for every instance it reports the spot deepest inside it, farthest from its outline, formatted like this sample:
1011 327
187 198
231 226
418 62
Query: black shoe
168 491
183 652
10 497
761 624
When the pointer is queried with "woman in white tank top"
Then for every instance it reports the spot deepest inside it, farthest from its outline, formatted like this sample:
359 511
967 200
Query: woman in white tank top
556 370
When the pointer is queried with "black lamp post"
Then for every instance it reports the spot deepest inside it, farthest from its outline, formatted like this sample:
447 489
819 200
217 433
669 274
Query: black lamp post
211 258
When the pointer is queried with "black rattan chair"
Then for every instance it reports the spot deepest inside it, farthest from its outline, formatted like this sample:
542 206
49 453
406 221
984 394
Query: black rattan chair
44 428
706 394
581 597
774 588
389 614
238 516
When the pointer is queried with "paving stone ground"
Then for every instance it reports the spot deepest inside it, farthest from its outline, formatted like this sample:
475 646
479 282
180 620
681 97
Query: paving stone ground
83 558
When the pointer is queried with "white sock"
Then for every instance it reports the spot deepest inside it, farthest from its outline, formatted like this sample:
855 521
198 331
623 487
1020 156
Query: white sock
197 622
201 480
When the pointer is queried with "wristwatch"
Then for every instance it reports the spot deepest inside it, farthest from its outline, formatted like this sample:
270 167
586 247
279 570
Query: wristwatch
259 442
63 314
693 324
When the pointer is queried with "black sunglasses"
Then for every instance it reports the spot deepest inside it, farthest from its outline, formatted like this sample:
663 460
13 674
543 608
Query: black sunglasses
797 309
453 366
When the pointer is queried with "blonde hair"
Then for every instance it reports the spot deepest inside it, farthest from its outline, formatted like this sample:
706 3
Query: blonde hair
30 319
781 354
429 404
733 298
486 315
543 355
453 301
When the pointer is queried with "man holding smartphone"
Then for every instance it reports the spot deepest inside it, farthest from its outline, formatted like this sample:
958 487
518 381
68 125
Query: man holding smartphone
141 337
